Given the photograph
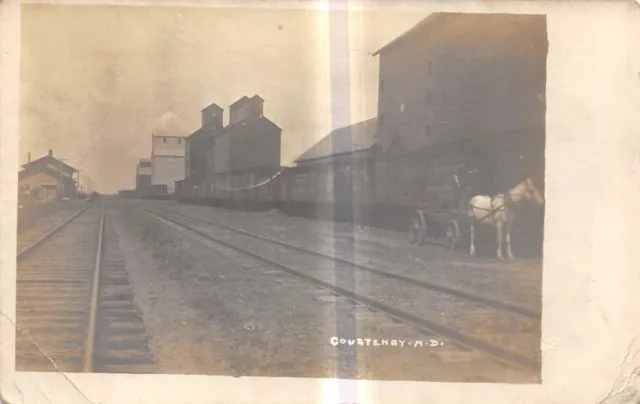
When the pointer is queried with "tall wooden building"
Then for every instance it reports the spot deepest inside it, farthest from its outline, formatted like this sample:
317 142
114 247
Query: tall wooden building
238 156
245 152
212 121
461 90
167 160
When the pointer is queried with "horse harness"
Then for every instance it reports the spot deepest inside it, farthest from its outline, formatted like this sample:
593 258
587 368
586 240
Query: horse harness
508 200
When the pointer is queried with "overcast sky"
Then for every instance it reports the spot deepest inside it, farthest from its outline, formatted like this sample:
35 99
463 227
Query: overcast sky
98 80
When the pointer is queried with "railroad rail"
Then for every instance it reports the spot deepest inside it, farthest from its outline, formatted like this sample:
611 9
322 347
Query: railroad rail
427 326
24 252
462 294
67 284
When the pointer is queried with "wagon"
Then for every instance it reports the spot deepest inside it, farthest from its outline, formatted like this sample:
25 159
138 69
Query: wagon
449 225
443 215
454 225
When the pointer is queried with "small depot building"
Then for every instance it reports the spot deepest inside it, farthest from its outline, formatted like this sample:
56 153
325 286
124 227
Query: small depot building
47 179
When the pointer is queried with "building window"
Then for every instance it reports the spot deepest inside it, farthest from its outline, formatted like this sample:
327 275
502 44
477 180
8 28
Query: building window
402 107
164 140
179 141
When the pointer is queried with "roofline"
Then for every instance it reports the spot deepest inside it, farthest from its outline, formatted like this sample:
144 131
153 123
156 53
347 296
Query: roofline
375 118
43 157
270 121
227 128
196 132
212 105
244 96
49 172
353 124
345 127
238 100
410 31
434 18
170 136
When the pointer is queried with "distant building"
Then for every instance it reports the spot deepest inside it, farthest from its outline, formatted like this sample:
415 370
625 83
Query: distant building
143 174
244 108
46 179
212 121
459 81
245 152
167 160
239 156
341 165
349 142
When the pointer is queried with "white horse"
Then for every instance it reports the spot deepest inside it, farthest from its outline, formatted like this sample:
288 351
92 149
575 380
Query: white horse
499 212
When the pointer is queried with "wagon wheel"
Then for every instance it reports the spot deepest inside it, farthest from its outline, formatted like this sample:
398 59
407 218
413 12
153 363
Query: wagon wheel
416 230
452 235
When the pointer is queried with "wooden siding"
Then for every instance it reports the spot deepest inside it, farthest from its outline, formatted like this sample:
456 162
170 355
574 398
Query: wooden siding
482 76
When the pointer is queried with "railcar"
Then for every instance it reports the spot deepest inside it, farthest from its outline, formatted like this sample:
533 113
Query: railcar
424 192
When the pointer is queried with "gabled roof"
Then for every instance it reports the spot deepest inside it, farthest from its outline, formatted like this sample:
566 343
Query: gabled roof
419 26
253 121
245 98
24 174
212 106
458 24
46 160
265 121
195 134
357 137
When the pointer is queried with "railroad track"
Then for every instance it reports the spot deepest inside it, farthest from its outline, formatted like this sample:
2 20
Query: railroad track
462 294
32 237
338 285
75 310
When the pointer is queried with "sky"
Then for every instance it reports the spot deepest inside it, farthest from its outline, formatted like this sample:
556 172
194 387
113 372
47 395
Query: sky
97 81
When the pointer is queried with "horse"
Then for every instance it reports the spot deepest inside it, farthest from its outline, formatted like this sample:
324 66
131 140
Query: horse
499 211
